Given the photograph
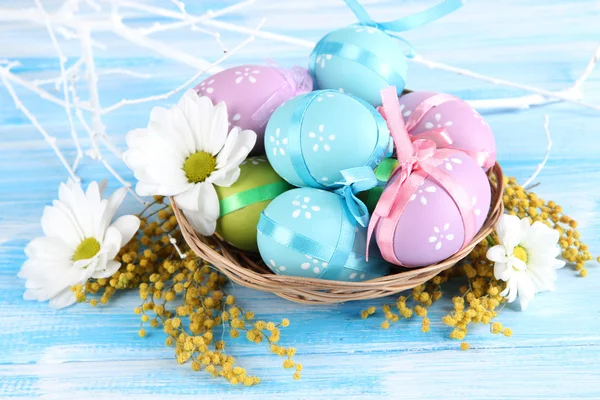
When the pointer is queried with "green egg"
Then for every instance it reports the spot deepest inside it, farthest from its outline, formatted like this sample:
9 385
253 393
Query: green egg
383 173
242 203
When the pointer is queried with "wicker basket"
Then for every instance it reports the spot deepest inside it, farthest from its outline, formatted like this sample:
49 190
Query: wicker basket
247 269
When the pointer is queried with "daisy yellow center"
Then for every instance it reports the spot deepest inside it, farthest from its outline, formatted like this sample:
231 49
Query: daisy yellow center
86 249
520 253
199 166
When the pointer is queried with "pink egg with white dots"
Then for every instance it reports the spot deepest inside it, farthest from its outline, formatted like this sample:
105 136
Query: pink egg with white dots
430 229
253 92
465 126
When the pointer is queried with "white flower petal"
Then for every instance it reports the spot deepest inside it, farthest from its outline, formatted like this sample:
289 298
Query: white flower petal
497 254
236 148
112 205
112 266
49 248
203 216
128 226
172 127
61 224
204 226
189 199
508 229
217 134
526 291
64 299
224 178
501 271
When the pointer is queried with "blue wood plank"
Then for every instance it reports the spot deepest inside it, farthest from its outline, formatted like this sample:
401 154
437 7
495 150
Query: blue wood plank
87 352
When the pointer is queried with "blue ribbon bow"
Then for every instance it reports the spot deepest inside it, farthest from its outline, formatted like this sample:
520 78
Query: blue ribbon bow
356 180
406 23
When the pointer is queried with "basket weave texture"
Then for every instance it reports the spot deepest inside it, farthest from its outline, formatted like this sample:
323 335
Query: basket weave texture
247 269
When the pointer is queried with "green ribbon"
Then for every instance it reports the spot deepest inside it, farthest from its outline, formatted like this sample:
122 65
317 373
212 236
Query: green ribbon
382 173
247 197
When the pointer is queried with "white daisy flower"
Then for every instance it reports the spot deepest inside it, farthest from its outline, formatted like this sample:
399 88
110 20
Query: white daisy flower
79 243
184 151
525 258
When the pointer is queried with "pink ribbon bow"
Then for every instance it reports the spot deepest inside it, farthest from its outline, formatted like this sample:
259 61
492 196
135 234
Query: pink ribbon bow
417 159
484 159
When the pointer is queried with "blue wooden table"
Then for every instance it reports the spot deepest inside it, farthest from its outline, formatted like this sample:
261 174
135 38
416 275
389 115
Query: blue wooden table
85 352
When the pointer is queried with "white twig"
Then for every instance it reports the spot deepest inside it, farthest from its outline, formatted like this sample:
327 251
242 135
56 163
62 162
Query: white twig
170 93
5 73
122 181
560 95
50 139
541 96
62 60
188 18
87 55
122 71
548 148
174 243
587 71
184 21
161 48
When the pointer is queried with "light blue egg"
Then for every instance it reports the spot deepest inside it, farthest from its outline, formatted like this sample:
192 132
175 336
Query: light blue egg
308 232
360 60
312 137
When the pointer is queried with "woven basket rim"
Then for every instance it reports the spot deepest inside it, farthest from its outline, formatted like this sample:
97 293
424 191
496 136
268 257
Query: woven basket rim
242 269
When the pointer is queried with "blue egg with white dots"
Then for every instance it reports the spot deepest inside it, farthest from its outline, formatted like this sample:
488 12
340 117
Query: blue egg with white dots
312 137
309 232
360 60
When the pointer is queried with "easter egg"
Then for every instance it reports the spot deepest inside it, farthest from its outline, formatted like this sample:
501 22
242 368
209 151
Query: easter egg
465 126
360 60
242 203
312 137
253 92
430 229
308 232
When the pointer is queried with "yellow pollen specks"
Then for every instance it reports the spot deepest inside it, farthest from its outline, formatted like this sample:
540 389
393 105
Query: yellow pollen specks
478 299
87 249
199 166
520 253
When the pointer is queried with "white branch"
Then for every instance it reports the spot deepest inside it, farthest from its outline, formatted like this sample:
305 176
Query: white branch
186 20
173 241
165 50
561 95
5 73
122 71
62 60
587 71
50 139
92 79
170 93
541 97
548 148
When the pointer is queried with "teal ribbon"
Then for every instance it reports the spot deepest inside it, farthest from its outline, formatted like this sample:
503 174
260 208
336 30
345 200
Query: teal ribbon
356 180
338 258
243 199
295 141
382 146
406 23
367 58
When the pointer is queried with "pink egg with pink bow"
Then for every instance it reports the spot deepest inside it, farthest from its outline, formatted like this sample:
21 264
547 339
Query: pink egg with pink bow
428 113
253 92
431 228
436 200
